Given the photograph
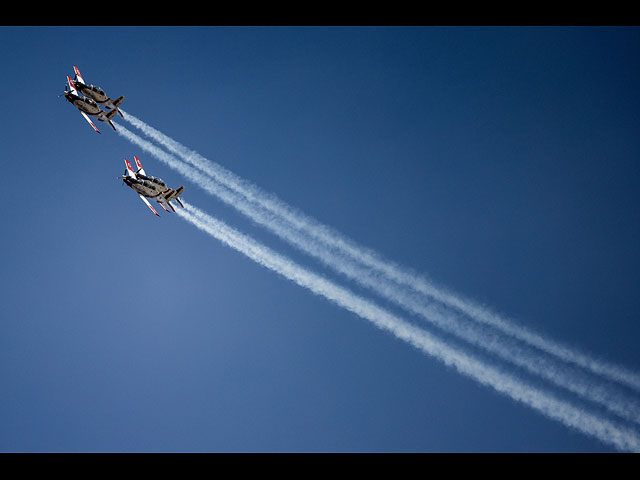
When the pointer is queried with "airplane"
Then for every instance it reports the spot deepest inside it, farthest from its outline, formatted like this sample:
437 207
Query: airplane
96 93
150 187
87 106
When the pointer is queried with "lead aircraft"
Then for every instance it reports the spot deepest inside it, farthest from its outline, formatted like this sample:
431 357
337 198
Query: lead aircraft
87 106
96 93
150 187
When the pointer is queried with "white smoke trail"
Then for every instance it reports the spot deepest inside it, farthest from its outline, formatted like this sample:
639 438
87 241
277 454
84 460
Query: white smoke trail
379 267
527 358
622 438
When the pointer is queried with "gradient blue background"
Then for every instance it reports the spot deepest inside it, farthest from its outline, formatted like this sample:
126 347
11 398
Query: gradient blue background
500 162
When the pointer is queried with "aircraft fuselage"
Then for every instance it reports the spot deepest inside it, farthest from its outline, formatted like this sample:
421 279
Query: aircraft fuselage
93 92
150 187
85 105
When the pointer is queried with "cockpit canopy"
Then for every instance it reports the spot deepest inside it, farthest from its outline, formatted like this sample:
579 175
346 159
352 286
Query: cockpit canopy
96 89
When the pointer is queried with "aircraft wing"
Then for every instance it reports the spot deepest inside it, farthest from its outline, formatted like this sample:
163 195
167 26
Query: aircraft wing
72 85
78 76
90 122
139 165
130 171
148 204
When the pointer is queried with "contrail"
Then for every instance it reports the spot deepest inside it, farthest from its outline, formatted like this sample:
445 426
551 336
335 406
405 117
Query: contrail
189 172
620 437
378 267
505 347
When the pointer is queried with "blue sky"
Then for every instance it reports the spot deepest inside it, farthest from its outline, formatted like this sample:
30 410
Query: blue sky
501 163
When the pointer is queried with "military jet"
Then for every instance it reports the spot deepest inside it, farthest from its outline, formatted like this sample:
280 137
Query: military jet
95 93
87 106
150 187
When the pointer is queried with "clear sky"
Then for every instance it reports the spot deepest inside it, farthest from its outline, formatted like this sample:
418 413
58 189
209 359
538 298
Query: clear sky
500 163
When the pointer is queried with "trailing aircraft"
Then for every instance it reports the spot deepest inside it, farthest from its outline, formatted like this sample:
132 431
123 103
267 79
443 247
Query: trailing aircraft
150 187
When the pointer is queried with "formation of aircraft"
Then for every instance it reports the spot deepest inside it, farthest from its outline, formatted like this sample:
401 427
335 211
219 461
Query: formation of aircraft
88 99
95 93
150 187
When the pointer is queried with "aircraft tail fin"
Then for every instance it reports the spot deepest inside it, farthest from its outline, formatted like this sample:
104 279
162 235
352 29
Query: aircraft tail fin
118 101
174 195
106 117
